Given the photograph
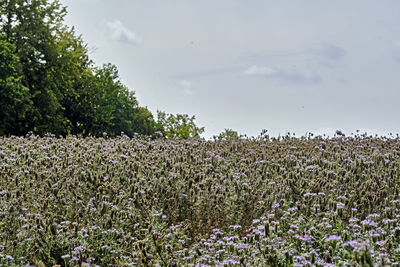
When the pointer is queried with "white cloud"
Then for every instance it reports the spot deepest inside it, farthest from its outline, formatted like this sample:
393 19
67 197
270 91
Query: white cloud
119 32
188 87
260 71
292 74
188 91
297 76
185 83
329 52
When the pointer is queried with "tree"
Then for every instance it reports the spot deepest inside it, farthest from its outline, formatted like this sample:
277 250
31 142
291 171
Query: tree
51 56
49 77
14 97
229 135
109 106
178 126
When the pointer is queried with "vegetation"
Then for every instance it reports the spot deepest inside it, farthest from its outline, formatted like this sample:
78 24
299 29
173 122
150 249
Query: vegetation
14 96
48 84
104 200
255 202
179 126
229 135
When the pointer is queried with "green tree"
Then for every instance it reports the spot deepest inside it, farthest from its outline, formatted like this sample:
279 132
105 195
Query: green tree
178 126
50 70
14 97
108 106
229 135
49 53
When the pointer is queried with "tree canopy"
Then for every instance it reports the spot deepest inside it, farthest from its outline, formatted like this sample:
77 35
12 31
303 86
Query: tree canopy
179 126
228 135
14 96
48 84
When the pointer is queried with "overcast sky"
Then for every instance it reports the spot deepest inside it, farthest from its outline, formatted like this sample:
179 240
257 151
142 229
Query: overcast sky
297 66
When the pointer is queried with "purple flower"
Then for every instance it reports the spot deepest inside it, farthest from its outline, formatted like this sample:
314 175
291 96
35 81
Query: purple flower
355 244
8 257
373 215
353 220
74 259
78 249
333 238
217 231
230 261
105 247
340 205
276 205
368 222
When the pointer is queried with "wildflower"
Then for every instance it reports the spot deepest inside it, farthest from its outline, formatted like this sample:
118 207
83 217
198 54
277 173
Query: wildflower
230 261
353 220
78 249
8 257
333 238
276 205
74 259
340 205
368 222
373 215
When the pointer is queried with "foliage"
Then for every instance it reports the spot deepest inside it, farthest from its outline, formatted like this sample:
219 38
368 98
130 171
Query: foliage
50 77
107 106
14 97
255 202
179 126
42 45
229 135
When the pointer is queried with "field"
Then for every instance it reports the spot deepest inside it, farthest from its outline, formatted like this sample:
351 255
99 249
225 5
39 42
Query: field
255 202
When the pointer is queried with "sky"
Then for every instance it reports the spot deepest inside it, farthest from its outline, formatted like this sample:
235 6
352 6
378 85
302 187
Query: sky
285 66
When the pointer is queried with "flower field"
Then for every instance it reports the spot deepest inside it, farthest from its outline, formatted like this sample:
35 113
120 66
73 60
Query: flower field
252 202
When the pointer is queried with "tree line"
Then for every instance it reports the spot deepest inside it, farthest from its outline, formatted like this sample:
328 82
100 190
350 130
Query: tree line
48 83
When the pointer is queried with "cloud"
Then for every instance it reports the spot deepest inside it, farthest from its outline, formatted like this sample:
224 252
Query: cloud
185 83
262 71
188 87
327 55
396 51
329 52
292 74
305 66
119 32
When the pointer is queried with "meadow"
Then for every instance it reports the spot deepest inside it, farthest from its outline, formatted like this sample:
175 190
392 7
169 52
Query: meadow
251 202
